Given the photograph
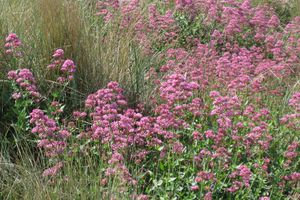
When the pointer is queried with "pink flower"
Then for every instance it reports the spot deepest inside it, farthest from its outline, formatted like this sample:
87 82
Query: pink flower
59 53
204 176
245 174
209 134
142 197
53 170
78 114
68 66
264 198
178 147
295 176
26 84
64 133
208 196
197 135
16 95
12 44
195 188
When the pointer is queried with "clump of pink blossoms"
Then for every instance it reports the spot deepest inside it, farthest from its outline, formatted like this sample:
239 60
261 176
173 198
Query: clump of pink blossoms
52 171
293 120
26 84
58 58
12 44
119 127
107 8
242 172
52 139
66 68
291 153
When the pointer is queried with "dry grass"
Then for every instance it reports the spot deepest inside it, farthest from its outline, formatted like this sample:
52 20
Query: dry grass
22 180
102 53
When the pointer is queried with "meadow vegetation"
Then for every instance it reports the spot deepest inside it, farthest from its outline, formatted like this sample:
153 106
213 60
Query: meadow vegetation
150 99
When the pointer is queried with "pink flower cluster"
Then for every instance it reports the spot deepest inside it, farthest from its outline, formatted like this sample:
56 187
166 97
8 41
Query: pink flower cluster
204 176
26 84
177 88
291 153
78 114
58 59
118 127
12 44
106 8
242 172
159 22
264 198
129 12
66 68
235 16
52 171
294 177
225 108
162 27
292 120
52 138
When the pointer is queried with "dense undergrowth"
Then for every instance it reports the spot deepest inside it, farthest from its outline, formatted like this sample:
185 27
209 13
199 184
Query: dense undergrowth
185 99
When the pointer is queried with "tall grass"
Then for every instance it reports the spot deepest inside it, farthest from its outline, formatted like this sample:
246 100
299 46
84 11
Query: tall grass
101 52
22 180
